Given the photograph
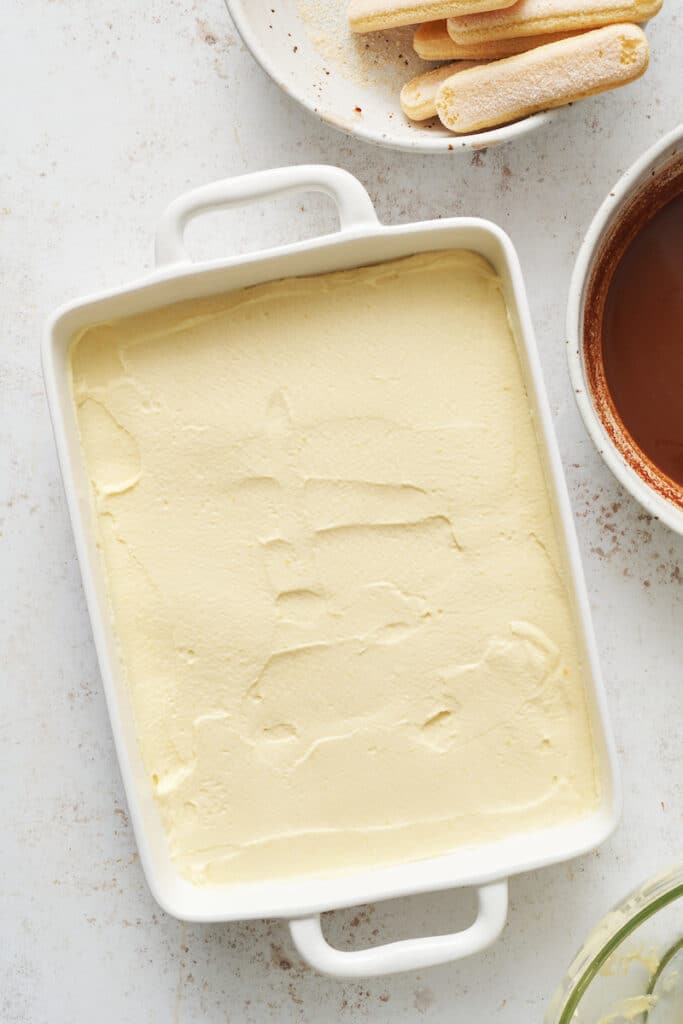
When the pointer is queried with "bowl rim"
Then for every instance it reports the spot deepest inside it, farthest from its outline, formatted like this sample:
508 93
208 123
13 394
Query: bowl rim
620 923
654 503
443 144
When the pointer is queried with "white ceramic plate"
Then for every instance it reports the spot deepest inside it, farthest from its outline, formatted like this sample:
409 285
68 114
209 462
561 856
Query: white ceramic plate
352 81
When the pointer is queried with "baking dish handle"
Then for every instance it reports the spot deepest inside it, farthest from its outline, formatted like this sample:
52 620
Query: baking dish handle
353 203
410 954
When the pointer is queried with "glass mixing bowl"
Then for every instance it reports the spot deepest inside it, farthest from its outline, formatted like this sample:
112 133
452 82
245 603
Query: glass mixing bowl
630 971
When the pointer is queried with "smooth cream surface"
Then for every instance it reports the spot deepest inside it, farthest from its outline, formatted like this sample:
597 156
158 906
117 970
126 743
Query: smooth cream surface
334 576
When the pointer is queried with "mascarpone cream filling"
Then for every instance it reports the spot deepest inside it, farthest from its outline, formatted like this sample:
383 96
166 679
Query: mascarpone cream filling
333 571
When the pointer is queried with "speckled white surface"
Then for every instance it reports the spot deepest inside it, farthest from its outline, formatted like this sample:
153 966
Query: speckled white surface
108 111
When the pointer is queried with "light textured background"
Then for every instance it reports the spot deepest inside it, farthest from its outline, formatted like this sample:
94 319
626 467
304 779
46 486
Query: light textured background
108 111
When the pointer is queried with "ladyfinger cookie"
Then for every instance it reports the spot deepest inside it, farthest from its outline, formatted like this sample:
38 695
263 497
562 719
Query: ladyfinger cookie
538 17
418 97
548 76
373 15
432 42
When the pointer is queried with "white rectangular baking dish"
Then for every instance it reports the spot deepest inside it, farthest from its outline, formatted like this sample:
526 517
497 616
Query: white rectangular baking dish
360 240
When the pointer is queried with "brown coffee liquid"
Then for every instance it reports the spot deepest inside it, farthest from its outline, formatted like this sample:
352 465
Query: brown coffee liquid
642 339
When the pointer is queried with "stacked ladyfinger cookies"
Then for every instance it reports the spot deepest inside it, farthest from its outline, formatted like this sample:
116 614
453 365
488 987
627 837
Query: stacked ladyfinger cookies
511 58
